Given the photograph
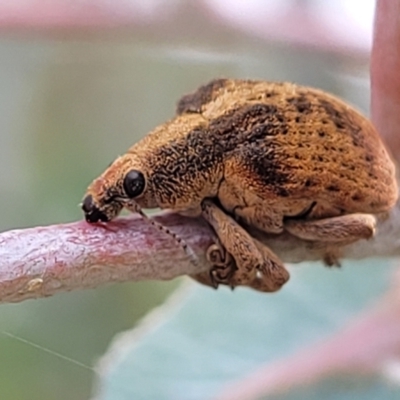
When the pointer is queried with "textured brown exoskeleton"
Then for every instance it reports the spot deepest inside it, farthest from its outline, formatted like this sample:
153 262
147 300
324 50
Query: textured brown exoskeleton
275 156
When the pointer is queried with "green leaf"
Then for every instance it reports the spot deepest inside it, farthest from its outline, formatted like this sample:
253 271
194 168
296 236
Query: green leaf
202 339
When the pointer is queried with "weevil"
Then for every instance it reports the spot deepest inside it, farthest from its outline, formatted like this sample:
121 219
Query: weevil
275 156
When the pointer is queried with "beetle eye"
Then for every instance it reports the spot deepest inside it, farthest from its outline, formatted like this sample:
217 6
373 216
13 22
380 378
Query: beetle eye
134 184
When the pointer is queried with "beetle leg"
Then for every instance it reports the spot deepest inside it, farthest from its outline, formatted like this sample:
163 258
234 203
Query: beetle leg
272 274
256 265
223 264
223 267
344 229
333 233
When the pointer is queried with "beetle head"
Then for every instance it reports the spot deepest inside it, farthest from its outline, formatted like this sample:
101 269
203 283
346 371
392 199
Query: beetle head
123 184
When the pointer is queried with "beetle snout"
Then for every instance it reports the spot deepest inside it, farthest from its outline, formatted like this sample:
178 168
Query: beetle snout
92 213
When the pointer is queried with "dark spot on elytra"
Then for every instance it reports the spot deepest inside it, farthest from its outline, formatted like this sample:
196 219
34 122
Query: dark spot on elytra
280 118
270 94
302 104
340 125
281 191
340 117
369 158
333 188
193 102
356 197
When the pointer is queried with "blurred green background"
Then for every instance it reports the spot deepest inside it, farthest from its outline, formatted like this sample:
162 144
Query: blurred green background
67 109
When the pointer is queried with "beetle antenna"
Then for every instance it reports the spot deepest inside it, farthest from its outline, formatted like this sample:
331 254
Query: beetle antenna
181 242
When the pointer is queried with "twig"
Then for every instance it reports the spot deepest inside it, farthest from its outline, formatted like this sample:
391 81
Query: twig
43 261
